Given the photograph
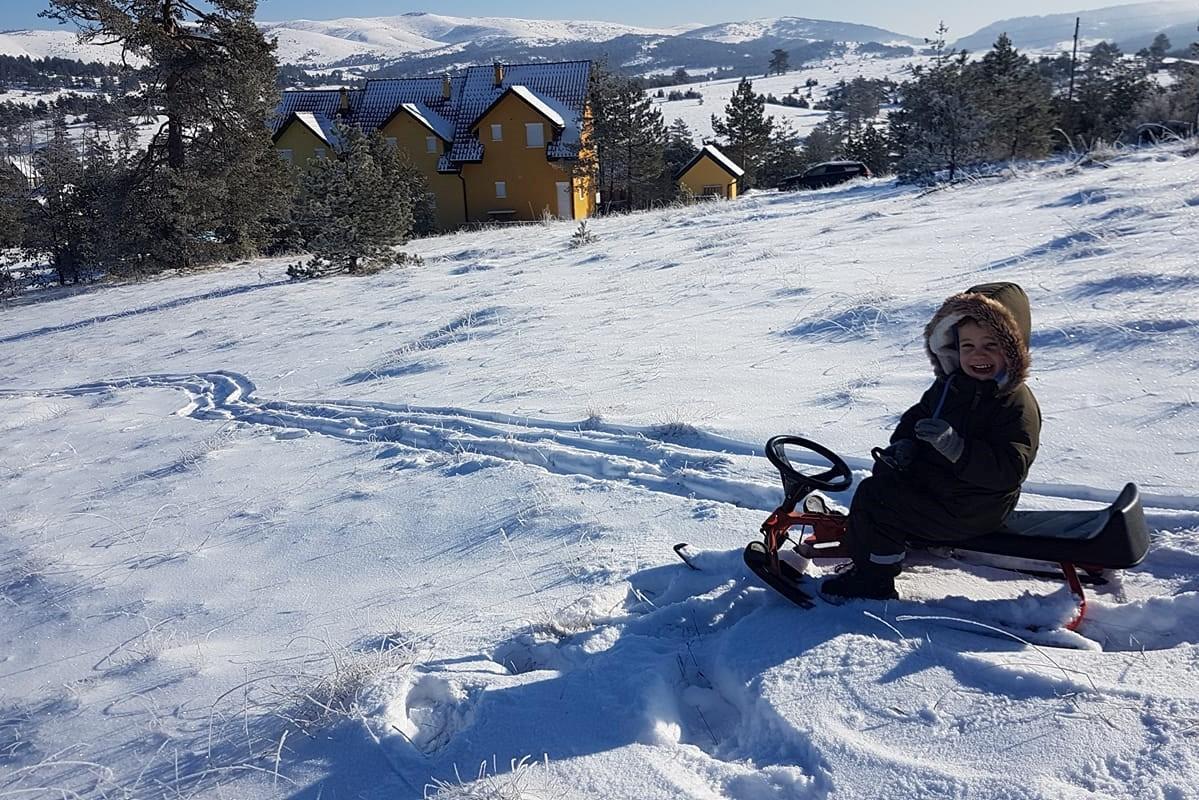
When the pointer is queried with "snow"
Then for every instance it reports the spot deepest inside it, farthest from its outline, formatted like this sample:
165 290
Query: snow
544 105
722 159
353 537
431 120
717 93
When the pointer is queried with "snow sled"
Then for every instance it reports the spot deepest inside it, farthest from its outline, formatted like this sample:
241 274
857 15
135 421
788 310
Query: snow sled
1112 538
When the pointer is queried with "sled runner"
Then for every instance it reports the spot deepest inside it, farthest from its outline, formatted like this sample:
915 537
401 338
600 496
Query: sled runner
1112 538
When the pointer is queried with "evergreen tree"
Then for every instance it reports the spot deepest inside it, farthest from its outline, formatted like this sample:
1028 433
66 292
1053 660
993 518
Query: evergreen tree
779 62
680 149
207 180
1110 90
826 141
745 130
74 227
629 138
1016 103
870 146
357 205
939 126
14 199
783 156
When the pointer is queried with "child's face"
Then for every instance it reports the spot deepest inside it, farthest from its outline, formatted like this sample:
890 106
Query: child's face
979 352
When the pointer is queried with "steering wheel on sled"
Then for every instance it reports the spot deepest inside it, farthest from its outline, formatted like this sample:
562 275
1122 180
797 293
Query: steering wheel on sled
796 484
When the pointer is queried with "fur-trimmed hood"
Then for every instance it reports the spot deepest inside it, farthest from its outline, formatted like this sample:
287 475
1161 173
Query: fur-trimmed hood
1002 307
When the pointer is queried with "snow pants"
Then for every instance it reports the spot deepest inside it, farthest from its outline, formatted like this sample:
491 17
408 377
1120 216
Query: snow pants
887 512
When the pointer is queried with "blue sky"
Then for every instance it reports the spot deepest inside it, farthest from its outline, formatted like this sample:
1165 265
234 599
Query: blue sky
913 18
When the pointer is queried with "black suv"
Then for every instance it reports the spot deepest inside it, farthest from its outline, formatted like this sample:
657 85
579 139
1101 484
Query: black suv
828 173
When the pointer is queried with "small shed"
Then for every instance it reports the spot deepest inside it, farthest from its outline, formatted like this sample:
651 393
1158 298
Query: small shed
711 174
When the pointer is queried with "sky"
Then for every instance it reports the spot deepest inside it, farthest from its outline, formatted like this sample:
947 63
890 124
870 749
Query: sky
912 18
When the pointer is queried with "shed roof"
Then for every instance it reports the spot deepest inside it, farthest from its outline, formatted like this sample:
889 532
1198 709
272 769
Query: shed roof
713 152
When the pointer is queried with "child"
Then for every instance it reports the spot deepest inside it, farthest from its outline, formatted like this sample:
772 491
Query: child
958 457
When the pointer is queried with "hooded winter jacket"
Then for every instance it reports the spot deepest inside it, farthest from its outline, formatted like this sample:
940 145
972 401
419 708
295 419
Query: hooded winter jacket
1000 421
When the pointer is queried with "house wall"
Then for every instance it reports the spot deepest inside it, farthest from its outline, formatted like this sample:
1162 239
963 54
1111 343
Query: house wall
707 172
529 178
301 141
447 189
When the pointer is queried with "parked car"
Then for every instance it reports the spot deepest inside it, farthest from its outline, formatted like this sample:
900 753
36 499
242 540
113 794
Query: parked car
827 173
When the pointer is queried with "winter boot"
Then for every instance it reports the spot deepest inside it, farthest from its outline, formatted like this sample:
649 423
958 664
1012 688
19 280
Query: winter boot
862 581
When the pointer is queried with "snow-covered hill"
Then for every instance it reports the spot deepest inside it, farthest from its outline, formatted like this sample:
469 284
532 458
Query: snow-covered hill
1131 26
798 28
324 41
267 539
423 37
58 43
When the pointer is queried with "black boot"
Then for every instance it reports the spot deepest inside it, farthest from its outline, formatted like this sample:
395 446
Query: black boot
862 581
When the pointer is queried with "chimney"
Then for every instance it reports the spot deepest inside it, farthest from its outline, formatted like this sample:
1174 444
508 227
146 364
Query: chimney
446 86
499 74
343 104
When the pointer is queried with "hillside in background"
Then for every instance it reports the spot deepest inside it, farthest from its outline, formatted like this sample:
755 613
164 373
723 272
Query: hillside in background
1130 26
420 43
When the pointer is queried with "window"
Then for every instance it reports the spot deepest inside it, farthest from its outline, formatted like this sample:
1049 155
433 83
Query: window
430 144
497 132
712 190
391 141
318 152
285 155
534 134
501 190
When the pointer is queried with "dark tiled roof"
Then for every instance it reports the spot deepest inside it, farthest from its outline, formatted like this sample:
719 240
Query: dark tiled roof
383 97
565 82
325 102
562 86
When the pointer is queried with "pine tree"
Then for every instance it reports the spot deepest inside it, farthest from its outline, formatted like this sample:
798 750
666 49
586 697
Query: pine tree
779 62
74 227
14 201
870 146
1110 90
629 137
357 205
939 126
1016 103
782 157
207 180
745 130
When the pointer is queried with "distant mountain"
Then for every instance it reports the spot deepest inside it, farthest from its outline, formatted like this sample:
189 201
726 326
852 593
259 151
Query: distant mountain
1130 26
58 43
388 38
798 29
420 43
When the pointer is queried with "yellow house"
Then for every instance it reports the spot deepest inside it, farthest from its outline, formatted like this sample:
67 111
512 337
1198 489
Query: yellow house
498 143
711 174
304 125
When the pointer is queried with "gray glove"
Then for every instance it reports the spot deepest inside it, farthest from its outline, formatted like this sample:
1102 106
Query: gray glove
941 435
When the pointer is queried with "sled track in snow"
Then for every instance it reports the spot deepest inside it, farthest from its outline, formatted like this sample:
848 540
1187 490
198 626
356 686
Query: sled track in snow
673 459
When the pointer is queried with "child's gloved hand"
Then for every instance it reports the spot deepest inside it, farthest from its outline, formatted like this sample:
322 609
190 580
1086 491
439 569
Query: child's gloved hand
898 456
941 435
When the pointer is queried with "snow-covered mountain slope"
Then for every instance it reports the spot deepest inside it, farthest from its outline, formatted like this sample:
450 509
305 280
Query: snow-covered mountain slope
1131 26
798 28
59 43
340 538
420 35
715 94
391 37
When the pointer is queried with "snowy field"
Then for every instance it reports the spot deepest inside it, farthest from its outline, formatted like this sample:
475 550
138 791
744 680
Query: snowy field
346 538
717 93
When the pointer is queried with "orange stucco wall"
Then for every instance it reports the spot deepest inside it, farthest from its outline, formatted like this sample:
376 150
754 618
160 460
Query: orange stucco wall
707 172
530 180
412 136
301 141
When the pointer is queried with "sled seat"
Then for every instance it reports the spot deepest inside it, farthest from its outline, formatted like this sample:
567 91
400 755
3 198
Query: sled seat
1115 537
